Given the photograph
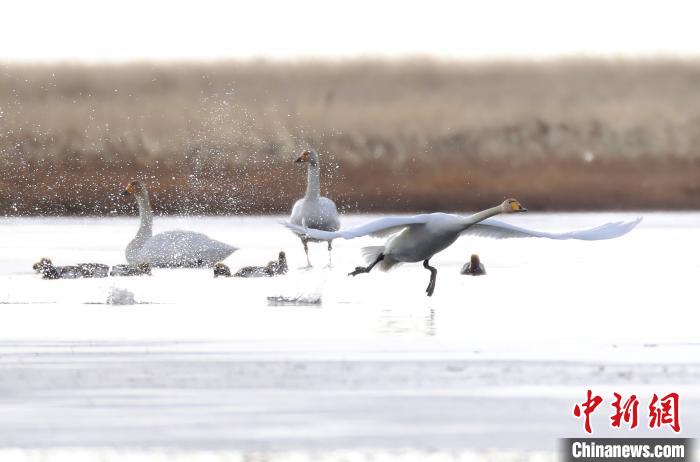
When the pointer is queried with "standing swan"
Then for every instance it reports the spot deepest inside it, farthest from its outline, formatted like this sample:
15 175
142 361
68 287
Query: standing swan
314 211
418 238
172 248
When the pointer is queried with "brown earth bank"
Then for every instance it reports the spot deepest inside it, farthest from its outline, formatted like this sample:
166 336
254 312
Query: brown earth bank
220 138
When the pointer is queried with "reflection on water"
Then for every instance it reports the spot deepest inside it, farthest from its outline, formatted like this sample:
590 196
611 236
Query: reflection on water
430 323
407 320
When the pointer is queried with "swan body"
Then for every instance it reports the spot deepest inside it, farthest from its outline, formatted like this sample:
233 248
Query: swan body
418 238
172 248
320 213
183 249
313 210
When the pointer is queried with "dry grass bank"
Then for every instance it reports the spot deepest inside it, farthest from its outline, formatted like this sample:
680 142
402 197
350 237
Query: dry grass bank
404 136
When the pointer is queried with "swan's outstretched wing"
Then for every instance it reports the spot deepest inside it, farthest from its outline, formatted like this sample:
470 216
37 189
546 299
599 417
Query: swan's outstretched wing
377 228
500 230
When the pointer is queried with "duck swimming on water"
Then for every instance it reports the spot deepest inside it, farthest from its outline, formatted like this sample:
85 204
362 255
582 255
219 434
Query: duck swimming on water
221 270
142 269
474 267
46 268
39 266
274 268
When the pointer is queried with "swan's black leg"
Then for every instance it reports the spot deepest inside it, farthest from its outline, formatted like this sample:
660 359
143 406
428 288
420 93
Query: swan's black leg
367 269
306 250
433 275
330 248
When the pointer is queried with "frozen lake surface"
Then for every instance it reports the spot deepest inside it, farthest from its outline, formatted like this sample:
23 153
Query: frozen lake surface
489 366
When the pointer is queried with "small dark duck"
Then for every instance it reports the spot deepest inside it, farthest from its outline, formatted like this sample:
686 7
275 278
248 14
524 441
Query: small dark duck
474 267
142 269
48 270
274 268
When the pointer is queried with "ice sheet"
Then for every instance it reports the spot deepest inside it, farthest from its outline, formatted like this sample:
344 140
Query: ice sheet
493 362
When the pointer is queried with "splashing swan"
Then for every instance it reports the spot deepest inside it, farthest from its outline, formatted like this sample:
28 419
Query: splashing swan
418 238
172 248
314 211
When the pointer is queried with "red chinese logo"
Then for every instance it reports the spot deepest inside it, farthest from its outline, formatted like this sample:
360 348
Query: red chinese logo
588 407
666 413
662 411
626 412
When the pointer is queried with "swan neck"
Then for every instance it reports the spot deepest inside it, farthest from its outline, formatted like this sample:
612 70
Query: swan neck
313 183
481 216
146 215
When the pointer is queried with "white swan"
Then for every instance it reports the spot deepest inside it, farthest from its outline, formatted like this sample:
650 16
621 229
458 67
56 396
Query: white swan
418 238
314 211
172 248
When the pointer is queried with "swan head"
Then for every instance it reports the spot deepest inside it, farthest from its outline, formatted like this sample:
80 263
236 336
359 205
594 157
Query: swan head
308 156
512 206
135 187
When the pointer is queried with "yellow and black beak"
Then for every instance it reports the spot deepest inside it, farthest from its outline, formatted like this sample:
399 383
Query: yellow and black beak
517 207
129 190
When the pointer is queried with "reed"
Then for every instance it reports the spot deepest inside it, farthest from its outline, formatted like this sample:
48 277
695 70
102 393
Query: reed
220 138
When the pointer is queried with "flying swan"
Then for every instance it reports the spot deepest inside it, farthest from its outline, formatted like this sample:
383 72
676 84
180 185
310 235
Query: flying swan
170 249
314 211
418 238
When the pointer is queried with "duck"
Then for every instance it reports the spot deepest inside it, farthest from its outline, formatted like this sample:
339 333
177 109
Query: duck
39 266
273 268
141 269
221 270
418 238
93 270
280 266
48 270
313 210
171 249
474 267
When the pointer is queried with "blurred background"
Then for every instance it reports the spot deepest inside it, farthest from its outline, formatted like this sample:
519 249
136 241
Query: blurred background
413 106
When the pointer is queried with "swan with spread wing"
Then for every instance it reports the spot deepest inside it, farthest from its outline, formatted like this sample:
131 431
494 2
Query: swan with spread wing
418 238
